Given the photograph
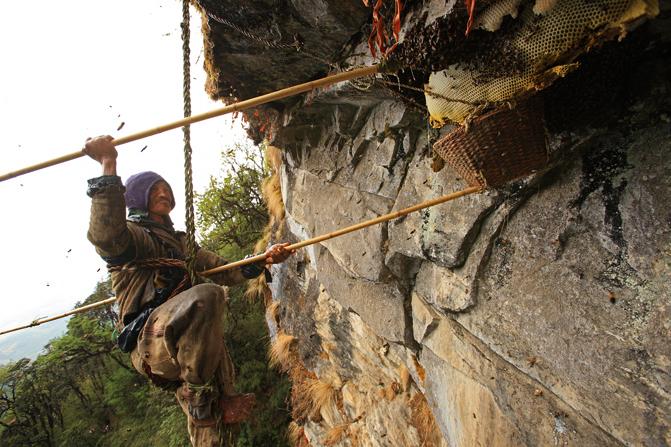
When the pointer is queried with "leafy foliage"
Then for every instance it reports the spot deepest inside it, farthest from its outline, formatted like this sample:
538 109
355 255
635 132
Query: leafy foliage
233 216
84 392
247 341
231 212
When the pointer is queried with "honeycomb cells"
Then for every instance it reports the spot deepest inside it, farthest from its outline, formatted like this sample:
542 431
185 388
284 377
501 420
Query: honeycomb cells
542 45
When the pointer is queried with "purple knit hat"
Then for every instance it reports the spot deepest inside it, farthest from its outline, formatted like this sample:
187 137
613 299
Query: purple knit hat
138 187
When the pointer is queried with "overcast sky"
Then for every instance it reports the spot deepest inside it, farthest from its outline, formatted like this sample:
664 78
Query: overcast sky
70 70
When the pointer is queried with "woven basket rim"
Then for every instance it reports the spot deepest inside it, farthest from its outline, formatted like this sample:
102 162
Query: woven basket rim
488 150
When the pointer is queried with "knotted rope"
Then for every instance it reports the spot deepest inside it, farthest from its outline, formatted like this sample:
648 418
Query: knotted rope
188 179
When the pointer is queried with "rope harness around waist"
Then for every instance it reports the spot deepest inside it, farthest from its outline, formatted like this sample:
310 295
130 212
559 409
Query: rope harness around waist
157 263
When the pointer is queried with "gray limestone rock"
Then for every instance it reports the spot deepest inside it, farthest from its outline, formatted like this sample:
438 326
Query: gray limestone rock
479 398
322 207
424 318
380 305
443 233
443 288
561 287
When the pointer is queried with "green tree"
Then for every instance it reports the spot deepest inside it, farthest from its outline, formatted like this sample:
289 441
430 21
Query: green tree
83 392
231 211
232 218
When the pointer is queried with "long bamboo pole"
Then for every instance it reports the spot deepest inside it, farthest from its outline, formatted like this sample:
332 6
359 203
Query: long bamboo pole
342 231
237 107
63 315
296 246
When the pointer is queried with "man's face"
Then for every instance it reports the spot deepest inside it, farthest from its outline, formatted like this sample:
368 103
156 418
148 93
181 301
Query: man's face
160 199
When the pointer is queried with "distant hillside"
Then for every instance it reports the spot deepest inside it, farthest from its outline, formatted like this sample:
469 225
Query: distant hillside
29 342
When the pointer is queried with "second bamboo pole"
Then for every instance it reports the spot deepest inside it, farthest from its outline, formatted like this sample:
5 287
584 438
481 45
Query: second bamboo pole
355 227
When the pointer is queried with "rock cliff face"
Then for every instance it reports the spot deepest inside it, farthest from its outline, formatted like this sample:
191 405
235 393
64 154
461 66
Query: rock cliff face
536 314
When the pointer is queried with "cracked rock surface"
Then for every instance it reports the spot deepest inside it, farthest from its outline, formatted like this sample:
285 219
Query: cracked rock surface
537 314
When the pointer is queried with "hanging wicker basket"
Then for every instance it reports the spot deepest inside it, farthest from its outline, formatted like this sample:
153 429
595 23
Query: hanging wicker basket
498 146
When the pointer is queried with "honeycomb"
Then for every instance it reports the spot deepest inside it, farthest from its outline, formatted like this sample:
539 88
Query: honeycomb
544 6
546 44
492 17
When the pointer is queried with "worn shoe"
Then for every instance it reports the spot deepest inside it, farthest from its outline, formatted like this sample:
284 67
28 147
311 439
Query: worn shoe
201 402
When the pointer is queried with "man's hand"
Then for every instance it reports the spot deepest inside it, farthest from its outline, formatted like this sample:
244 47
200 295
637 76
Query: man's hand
103 151
278 253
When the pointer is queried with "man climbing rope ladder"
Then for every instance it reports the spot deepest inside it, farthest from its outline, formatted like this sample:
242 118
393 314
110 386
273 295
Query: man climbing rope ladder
172 330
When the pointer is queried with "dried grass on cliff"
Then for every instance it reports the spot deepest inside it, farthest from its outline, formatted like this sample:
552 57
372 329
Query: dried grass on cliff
271 188
272 196
296 435
272 311
335 434
310 396
280 355
323 398
421 417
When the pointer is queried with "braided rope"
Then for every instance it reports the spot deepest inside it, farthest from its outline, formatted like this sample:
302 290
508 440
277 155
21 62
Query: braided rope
156 263
145 264
188 174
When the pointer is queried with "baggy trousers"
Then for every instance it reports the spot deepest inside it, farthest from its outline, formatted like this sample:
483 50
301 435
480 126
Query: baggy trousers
183 341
